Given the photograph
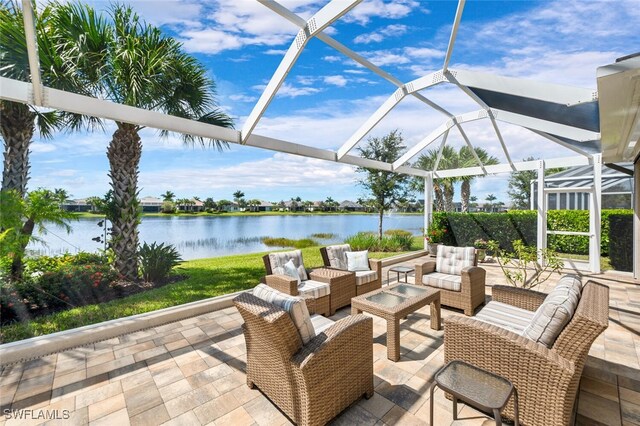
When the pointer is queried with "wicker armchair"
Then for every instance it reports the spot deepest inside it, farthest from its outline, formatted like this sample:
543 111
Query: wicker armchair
468 290
366 281
547 379
339 285
310 383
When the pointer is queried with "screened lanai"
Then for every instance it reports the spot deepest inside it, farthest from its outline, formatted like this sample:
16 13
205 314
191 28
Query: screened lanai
572 120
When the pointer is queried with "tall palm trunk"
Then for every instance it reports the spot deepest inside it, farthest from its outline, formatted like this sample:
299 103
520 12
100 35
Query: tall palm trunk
448 195
124 153
17 126
465 194
439 198
380 217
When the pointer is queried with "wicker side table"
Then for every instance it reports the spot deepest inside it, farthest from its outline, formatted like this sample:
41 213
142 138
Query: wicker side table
476 387
342 283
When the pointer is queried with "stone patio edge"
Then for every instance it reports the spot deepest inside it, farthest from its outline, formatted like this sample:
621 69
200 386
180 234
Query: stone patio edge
40 346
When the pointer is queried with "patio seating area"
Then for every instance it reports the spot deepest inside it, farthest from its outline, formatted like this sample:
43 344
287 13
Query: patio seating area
193 372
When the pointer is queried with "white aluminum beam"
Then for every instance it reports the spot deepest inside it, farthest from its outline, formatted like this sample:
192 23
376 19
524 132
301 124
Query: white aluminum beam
428 204
519 166
32 51
583 234
532 123
440 150
556 93
454 33
322 19
500 139
594 216
561 143
415 150
567 189
472 149
374 119
542 214
636 219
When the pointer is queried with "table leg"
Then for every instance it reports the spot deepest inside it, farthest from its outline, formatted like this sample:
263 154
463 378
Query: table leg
436 320
393 339
497 416
431 390
515 407
455 408
355 311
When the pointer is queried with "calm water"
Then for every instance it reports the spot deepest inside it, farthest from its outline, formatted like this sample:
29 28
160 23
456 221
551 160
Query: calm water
198 237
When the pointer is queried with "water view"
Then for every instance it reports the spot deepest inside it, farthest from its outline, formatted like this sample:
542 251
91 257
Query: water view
200 237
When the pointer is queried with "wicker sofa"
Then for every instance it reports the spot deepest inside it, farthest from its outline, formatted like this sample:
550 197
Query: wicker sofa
366 281
546 375
313 382
456 274
326 290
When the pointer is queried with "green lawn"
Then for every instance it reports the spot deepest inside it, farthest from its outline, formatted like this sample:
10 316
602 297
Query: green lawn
206 278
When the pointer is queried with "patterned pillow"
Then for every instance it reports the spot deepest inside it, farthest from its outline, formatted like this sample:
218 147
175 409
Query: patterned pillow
295 306
451 260
358 260
337 256
278 260
291 270
555 312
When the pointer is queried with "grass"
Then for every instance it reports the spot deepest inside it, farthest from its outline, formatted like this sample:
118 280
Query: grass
324 235
287 242
206 278
605 263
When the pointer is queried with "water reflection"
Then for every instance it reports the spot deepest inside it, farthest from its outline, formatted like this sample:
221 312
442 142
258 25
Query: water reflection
200 237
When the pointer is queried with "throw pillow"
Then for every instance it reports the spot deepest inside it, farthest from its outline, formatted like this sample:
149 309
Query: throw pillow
358 260
295 306
291 270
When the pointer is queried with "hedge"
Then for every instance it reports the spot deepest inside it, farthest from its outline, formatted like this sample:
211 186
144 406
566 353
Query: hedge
464 228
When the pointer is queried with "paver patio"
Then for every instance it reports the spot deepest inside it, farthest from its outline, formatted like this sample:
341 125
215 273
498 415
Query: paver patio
192 372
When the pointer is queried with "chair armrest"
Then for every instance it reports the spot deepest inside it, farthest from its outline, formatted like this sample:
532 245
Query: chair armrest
424 268
518 297
376 265
331 275
473 278
350 337
507 354
282 283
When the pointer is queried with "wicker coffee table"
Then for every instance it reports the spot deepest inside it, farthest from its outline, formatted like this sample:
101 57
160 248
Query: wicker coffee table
394 303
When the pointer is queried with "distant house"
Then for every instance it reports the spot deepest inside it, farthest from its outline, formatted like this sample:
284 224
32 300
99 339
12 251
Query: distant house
151 204
265 206
79 205
230 208
350 206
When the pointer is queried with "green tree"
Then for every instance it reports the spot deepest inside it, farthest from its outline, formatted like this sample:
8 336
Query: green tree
38 208
238 198
386 188
168 196
19 121
254 204
490 199
138 66
209 203
223 204
520 186
467 159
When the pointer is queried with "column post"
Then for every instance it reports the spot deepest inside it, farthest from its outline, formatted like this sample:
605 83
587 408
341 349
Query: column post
595 199
428 203
542 212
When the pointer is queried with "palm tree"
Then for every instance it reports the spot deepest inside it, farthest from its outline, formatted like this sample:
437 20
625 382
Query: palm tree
19 121
491 198
443 188
467 159
168 196
141 67
238 198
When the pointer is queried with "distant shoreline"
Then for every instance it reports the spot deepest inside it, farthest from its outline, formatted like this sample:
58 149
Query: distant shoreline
85 215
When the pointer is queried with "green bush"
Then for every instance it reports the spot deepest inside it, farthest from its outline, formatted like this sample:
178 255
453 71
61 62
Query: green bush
400 232
287 242
464 228
42 264
323 235
369 241
621 241
157 261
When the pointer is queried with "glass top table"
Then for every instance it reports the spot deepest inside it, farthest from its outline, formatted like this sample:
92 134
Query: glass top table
406 270
394 303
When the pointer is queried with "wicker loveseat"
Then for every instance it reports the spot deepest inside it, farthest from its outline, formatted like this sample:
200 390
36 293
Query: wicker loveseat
546 375
313 382
456 274
335 257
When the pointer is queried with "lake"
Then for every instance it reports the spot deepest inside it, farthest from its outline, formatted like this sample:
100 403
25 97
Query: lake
210 236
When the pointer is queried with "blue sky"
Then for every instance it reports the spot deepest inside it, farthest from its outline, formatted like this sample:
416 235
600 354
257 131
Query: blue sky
327 96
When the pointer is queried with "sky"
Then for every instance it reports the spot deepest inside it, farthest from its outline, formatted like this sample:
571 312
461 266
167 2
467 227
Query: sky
327 96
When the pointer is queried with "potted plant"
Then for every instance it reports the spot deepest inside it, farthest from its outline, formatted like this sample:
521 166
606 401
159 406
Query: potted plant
434 237
481 246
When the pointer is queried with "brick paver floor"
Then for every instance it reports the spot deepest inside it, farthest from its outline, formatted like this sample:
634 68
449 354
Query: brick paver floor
192 372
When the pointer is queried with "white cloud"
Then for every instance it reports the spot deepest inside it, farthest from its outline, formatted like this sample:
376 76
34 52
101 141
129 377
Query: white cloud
387 57
288 90
64 173
243 98
39 147
336 80
359 72
331 58
393 30
368 9
278 52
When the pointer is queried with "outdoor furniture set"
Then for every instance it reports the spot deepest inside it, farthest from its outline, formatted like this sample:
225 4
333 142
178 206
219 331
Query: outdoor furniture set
522 345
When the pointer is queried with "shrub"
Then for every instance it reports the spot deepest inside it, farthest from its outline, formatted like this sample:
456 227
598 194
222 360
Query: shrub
157 261
363 241
521 268
42 264
400 232
323 235
369 241
287 242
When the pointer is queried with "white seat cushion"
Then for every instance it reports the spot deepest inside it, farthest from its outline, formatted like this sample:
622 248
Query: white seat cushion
555 312
278 260
314 288
444 281
505 316
295 306
451 260
364 277
320 323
